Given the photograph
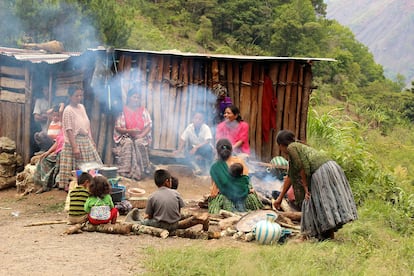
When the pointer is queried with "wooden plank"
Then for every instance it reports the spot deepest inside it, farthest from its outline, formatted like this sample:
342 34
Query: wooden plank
254 124
271 148
146 95
185 110
176 93
280 93
288 95
305 102
13 97
13 71
12 83
236 85
230 81
293 85
299 100
169 104
26 117
245 93
107 155
215 72
156 103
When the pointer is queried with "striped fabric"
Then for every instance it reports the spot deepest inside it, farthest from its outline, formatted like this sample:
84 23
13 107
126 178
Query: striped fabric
220 202
279 162
68 163
78 197
331 205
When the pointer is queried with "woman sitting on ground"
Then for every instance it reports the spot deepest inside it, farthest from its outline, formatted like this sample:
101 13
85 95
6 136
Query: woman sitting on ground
47 169
230 193
132 136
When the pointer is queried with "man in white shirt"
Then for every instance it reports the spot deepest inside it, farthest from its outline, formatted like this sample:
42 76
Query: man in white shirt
195 141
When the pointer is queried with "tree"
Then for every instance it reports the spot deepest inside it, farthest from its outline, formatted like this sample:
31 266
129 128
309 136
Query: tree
204 35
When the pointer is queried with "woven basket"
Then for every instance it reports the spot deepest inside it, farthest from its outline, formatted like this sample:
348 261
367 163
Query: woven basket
138 202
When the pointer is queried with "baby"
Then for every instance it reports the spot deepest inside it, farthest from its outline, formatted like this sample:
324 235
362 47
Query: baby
236 169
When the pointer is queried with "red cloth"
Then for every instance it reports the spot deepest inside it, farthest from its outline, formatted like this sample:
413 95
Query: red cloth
134 118
269 105
112 219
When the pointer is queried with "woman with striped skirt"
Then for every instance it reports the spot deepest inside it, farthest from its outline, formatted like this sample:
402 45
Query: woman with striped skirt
79 146
320 187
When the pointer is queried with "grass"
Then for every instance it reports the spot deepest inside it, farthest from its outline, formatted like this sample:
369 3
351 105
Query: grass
368 246
380 242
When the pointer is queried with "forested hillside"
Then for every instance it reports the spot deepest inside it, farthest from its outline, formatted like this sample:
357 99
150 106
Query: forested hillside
385 26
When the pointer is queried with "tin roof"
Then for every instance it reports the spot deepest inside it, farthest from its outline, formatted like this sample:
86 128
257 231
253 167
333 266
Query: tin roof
36 56
222 56
39 56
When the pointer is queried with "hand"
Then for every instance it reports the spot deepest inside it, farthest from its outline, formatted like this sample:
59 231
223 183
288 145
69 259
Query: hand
307 195
277 203
76 153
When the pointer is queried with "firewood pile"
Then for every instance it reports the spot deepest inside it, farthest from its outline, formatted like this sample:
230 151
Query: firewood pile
10 163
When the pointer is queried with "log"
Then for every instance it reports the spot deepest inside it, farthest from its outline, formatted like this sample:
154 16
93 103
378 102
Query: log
46 223
228 222
153 231
118 228
296 216
191 234
294 228
227 214
74 229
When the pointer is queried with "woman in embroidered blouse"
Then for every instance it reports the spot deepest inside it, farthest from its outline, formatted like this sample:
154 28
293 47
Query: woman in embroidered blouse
132 136
79 146
320 186
234 129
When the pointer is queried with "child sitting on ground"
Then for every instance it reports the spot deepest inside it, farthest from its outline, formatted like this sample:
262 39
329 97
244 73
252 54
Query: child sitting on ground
77 199
164 206
99 205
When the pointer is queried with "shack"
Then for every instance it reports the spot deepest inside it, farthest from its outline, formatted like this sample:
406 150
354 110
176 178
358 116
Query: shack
272 93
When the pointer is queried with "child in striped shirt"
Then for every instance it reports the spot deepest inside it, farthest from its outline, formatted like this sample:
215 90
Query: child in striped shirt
78 197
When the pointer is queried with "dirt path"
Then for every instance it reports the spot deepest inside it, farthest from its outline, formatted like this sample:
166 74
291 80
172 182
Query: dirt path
44 250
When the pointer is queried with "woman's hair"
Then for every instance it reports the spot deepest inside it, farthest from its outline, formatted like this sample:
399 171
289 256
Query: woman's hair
224 149
100 186
285 137
132 91
72 89
160 176
235 110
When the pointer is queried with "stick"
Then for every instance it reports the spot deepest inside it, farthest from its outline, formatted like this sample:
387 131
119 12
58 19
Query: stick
46 223
294 227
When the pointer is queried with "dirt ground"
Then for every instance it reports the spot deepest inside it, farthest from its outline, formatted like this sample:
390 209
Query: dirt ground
45 250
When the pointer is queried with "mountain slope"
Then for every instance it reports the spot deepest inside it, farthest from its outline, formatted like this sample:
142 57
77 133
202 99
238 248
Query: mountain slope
384 26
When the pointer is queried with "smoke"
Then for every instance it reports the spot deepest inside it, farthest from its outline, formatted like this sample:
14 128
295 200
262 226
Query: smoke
44 21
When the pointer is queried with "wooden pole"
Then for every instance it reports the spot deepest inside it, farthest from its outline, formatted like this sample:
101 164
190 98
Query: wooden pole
245 93
255 124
